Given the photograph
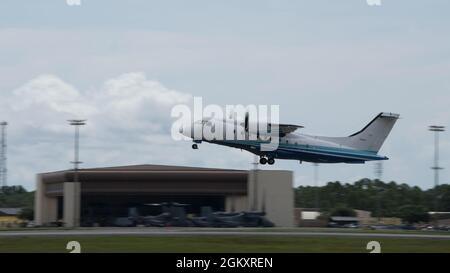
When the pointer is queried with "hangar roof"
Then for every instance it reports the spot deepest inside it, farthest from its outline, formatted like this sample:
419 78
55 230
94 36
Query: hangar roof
135 171
151 178
150 167
147 167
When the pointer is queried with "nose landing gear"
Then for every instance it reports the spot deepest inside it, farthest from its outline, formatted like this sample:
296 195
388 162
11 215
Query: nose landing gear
195 146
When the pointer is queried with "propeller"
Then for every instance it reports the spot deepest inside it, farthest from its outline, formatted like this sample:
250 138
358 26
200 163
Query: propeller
246 121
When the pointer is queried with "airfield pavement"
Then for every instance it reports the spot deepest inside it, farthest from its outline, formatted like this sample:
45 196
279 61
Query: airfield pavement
173 231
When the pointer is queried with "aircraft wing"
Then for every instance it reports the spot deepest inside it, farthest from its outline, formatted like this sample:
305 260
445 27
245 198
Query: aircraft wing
287 128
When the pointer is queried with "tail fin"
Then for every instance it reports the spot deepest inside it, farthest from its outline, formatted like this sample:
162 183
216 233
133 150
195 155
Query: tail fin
372 137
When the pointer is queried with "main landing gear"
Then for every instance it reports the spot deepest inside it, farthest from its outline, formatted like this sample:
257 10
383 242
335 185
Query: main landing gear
195 146
264 160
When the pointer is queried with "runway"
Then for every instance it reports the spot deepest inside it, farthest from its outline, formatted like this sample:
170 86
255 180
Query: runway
211 232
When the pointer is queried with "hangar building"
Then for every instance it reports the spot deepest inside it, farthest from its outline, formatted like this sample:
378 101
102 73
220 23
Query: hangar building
112 191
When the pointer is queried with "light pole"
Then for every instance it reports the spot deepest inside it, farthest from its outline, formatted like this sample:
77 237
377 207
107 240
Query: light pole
436 129
72 202
3 168
76 123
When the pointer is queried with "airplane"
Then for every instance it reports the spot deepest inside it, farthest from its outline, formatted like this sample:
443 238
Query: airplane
357 148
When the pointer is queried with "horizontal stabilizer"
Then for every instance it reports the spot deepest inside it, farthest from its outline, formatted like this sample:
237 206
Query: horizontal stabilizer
372 136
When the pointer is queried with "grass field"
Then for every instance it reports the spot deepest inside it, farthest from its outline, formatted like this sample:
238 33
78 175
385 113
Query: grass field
235 244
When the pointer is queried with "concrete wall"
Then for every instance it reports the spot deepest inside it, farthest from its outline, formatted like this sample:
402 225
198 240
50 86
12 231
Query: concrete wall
235 203
72 204
45 208
272 192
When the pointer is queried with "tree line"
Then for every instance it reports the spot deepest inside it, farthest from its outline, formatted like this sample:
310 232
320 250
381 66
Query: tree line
17 197
382 199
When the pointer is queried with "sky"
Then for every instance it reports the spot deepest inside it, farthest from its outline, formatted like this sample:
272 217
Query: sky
331 66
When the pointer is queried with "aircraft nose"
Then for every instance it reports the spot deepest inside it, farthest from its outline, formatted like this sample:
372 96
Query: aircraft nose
186 130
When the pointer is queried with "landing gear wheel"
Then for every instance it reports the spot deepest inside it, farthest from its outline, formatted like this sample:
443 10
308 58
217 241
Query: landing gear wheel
271 161
194 146
262 160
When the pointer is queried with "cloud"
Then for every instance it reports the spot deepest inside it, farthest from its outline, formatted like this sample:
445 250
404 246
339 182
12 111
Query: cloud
129 101
40 101
124 114
128 122
45 89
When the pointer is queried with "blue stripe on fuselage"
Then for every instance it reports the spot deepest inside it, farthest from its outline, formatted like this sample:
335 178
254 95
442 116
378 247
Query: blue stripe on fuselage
298 149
